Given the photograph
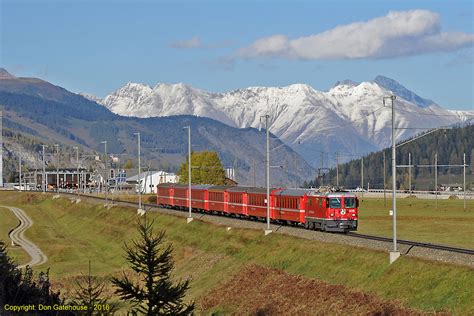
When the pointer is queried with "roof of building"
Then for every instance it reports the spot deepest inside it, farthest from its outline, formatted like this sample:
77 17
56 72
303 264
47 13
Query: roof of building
145 174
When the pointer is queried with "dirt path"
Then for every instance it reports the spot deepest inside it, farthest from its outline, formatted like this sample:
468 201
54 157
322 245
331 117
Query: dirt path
18 238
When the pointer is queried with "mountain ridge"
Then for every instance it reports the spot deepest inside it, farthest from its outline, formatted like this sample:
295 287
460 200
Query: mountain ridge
304 118
36 109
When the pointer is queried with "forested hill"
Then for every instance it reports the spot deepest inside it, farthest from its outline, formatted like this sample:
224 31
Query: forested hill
450 145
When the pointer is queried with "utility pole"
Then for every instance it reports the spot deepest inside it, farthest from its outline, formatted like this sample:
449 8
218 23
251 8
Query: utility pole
409 173
322 169
190 215
362 174
464 178
395 254
57 167
337 169
77 171
106 172
436 179
254 174
44 180
384 182
268 230
19 170
139 176
296 172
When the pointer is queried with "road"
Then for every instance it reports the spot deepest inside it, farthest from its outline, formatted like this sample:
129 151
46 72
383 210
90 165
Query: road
18 238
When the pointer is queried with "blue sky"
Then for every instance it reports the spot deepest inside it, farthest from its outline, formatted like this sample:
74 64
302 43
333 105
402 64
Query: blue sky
98 46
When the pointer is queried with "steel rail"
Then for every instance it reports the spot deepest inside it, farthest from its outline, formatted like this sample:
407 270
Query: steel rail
414 243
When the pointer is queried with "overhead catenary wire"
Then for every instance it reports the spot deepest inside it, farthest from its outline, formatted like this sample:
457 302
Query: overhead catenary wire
431 114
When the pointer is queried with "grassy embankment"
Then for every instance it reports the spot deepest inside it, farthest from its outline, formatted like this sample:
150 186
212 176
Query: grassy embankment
418 219
72 234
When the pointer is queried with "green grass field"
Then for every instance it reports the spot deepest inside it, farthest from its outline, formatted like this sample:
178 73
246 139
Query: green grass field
419 220
72 234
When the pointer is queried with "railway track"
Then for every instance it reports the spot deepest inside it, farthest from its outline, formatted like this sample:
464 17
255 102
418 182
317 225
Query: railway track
414 243
410 243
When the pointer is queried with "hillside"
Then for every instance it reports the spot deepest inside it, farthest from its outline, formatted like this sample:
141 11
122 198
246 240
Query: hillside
47 114
450 145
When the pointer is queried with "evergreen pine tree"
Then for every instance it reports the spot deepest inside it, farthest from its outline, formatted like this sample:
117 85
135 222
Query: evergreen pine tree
89 292
21 288
154 293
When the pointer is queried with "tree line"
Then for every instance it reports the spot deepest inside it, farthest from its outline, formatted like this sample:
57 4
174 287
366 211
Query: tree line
450 145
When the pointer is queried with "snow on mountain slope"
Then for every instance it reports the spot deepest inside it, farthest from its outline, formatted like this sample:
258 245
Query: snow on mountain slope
135 99
365 100
350 118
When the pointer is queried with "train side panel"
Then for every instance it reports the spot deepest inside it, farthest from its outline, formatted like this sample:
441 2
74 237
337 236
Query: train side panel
290 205
236 201
256 202
216 199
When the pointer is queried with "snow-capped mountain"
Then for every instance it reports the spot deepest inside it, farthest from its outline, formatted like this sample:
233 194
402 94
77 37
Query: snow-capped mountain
350 118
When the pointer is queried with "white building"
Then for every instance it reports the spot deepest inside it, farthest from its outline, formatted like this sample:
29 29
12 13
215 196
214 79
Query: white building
150 179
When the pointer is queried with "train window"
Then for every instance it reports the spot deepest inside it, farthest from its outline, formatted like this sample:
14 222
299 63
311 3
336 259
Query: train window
320 203
349 202
335 202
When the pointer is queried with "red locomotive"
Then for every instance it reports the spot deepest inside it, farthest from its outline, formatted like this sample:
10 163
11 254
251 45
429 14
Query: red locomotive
330 211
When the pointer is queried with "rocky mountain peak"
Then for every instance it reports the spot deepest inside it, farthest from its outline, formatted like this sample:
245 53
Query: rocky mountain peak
4 74
400 91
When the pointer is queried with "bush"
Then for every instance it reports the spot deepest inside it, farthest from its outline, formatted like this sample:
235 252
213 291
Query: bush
453 197
152 199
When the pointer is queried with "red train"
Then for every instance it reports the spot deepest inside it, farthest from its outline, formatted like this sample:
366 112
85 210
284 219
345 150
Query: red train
331 211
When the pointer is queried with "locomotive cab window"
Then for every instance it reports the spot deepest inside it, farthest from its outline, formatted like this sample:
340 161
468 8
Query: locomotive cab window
349 202
335 202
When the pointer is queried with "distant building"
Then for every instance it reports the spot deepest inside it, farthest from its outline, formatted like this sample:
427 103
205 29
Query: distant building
150 179
68 178
230 173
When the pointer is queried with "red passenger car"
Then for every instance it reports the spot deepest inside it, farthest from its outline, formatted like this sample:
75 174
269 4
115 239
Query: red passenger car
200 197
237 200
217 199
290 205
257 202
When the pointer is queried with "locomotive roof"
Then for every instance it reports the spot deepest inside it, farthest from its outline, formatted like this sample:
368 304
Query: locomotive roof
339 194
294 192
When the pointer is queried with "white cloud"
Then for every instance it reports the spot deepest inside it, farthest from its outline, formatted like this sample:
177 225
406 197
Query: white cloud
194 42
399 33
